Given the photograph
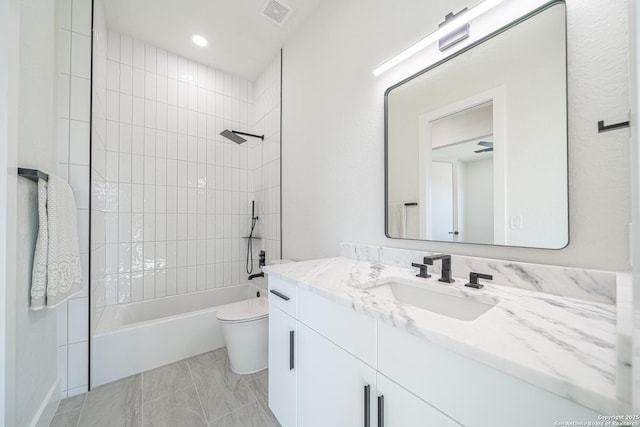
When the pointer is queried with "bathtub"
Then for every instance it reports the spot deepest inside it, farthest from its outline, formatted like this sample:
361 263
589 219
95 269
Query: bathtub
135 337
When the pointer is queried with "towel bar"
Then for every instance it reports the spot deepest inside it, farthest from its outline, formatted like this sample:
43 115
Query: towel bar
33 174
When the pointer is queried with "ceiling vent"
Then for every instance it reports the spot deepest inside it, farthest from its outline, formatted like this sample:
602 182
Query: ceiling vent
276 11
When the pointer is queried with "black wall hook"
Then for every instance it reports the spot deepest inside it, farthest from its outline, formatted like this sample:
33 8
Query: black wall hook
603 128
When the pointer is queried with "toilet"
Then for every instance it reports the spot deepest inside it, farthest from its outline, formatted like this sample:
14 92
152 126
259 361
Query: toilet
245 328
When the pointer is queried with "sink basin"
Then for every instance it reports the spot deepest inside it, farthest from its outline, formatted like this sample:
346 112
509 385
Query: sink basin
447 302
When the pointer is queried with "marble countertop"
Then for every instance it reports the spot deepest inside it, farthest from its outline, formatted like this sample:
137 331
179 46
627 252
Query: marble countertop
563 345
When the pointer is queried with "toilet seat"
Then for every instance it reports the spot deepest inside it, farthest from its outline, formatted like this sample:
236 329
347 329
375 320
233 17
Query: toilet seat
244 311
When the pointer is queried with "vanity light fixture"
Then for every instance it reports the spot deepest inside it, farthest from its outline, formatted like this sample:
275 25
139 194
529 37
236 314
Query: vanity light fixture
200 41
453 25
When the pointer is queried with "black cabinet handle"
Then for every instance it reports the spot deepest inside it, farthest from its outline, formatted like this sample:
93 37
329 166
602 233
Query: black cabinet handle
381 410
367 405
279 294
291 343
454 232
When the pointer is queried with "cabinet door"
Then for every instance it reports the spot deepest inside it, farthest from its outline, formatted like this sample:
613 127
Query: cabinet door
282 366
400 408
332 384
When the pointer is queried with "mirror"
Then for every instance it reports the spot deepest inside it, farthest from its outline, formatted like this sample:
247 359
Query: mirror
476 146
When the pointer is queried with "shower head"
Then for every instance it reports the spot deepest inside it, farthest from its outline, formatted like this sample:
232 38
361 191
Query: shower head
234 135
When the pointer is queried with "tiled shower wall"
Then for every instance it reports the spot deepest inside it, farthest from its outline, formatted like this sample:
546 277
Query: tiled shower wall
98 149
74 87
265 157
175 203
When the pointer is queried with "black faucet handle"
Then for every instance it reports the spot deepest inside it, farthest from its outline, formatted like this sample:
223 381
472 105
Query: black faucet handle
423 270
473 279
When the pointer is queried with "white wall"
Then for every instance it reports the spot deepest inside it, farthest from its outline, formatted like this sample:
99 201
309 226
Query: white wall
9 19
35 332
634 68
333 124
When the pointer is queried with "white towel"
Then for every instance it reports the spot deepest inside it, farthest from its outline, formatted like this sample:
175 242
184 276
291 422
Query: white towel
412 222
396 220
57 274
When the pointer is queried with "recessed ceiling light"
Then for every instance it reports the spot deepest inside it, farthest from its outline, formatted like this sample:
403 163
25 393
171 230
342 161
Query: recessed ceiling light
199 40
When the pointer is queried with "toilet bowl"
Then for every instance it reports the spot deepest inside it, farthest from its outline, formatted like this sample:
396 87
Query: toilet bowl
245 328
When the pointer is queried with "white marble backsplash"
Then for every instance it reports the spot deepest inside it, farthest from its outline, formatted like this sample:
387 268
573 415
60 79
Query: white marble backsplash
590 285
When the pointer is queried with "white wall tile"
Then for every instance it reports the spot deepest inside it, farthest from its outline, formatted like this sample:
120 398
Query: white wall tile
124 230
137 139
61 315
113 136
64 51
79 182
149 196
78 364
138 111
137 171
78 319
138 54
138 85
126 79
162 89
150 58
136 286
113 76
63 363
149 285
183 231
124 288
150 83
79 148
126 108
126 50
137 195
81 16
111 288
113 47
80 55
64 14
113 166
150 114
124 261
172 66
79 104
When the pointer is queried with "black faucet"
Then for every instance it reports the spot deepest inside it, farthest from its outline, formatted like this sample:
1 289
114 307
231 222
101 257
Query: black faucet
445 273
473 279
253 276
423 270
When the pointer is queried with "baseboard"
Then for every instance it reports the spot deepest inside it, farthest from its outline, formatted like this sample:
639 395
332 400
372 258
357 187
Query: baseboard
48 408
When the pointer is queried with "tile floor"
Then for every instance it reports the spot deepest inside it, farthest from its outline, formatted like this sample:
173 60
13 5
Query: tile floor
200 391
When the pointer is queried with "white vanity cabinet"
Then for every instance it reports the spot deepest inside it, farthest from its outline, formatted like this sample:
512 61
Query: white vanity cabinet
334 387
473 393
282 353
397 407
332 366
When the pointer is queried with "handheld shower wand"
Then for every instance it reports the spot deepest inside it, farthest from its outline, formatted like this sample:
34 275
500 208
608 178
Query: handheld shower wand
254 220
